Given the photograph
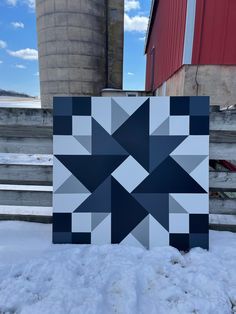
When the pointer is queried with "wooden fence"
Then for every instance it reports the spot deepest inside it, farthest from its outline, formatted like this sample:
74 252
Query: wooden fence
26 166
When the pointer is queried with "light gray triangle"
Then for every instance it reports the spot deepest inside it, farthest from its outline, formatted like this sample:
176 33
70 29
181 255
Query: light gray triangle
118 116
97 218
188 162
175 207
85 141
163 129
141 232
72 185
60 173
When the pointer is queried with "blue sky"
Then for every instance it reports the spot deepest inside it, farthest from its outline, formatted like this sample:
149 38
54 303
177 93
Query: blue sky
18 45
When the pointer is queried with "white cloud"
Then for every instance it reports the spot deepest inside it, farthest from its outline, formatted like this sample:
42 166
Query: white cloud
18 24
29 3
142 38
12 2
132 5
136 23
20 66
3 44
1 61
26 54
36 74
130 73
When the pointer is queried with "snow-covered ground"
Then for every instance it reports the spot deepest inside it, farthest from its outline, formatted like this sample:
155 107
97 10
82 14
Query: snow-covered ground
38 277
19 102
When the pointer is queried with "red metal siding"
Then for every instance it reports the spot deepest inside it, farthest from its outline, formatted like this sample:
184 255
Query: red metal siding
214 37
167 36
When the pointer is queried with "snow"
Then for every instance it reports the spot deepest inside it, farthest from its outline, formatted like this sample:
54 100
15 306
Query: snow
223 219
25 210
38 188
38 277
26 159
19 102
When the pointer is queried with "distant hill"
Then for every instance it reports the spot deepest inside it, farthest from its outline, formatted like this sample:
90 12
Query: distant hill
13 94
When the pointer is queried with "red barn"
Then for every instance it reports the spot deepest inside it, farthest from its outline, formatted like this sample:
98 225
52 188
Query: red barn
191 49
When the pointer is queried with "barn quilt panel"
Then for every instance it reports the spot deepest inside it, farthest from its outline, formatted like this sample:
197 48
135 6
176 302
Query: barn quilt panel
131 170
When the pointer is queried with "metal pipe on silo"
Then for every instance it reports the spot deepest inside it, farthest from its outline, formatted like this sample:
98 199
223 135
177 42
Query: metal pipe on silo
80 45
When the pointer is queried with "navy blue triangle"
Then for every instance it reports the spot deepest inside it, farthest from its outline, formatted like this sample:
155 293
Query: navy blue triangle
127 213
91 171
103 143
161 147
169 177
133 135
157 205
99 201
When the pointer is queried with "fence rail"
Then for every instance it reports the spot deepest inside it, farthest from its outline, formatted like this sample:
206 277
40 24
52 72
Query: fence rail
26 164
41 174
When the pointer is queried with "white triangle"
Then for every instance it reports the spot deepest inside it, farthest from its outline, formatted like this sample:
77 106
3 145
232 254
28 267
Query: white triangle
158 235
130 240
159 112
68 203
68 144
60 173
193 145
101 112
163 129
97 218
102 233
193 203
130 104
201 174
174 206
86 142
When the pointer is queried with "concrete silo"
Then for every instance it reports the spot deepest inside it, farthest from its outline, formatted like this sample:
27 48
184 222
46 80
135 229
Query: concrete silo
80 45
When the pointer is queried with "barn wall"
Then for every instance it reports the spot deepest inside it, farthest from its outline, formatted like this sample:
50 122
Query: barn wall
167 38
214 38
173 42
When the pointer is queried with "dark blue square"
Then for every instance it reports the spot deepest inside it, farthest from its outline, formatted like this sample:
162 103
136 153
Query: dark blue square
199 106
62 106
199 125
179 106
82 106
62 237
198 223
62 125
62 222
199 240
180 241
81 238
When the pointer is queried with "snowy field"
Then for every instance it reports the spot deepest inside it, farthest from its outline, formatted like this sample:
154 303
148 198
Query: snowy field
38 277
19 102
